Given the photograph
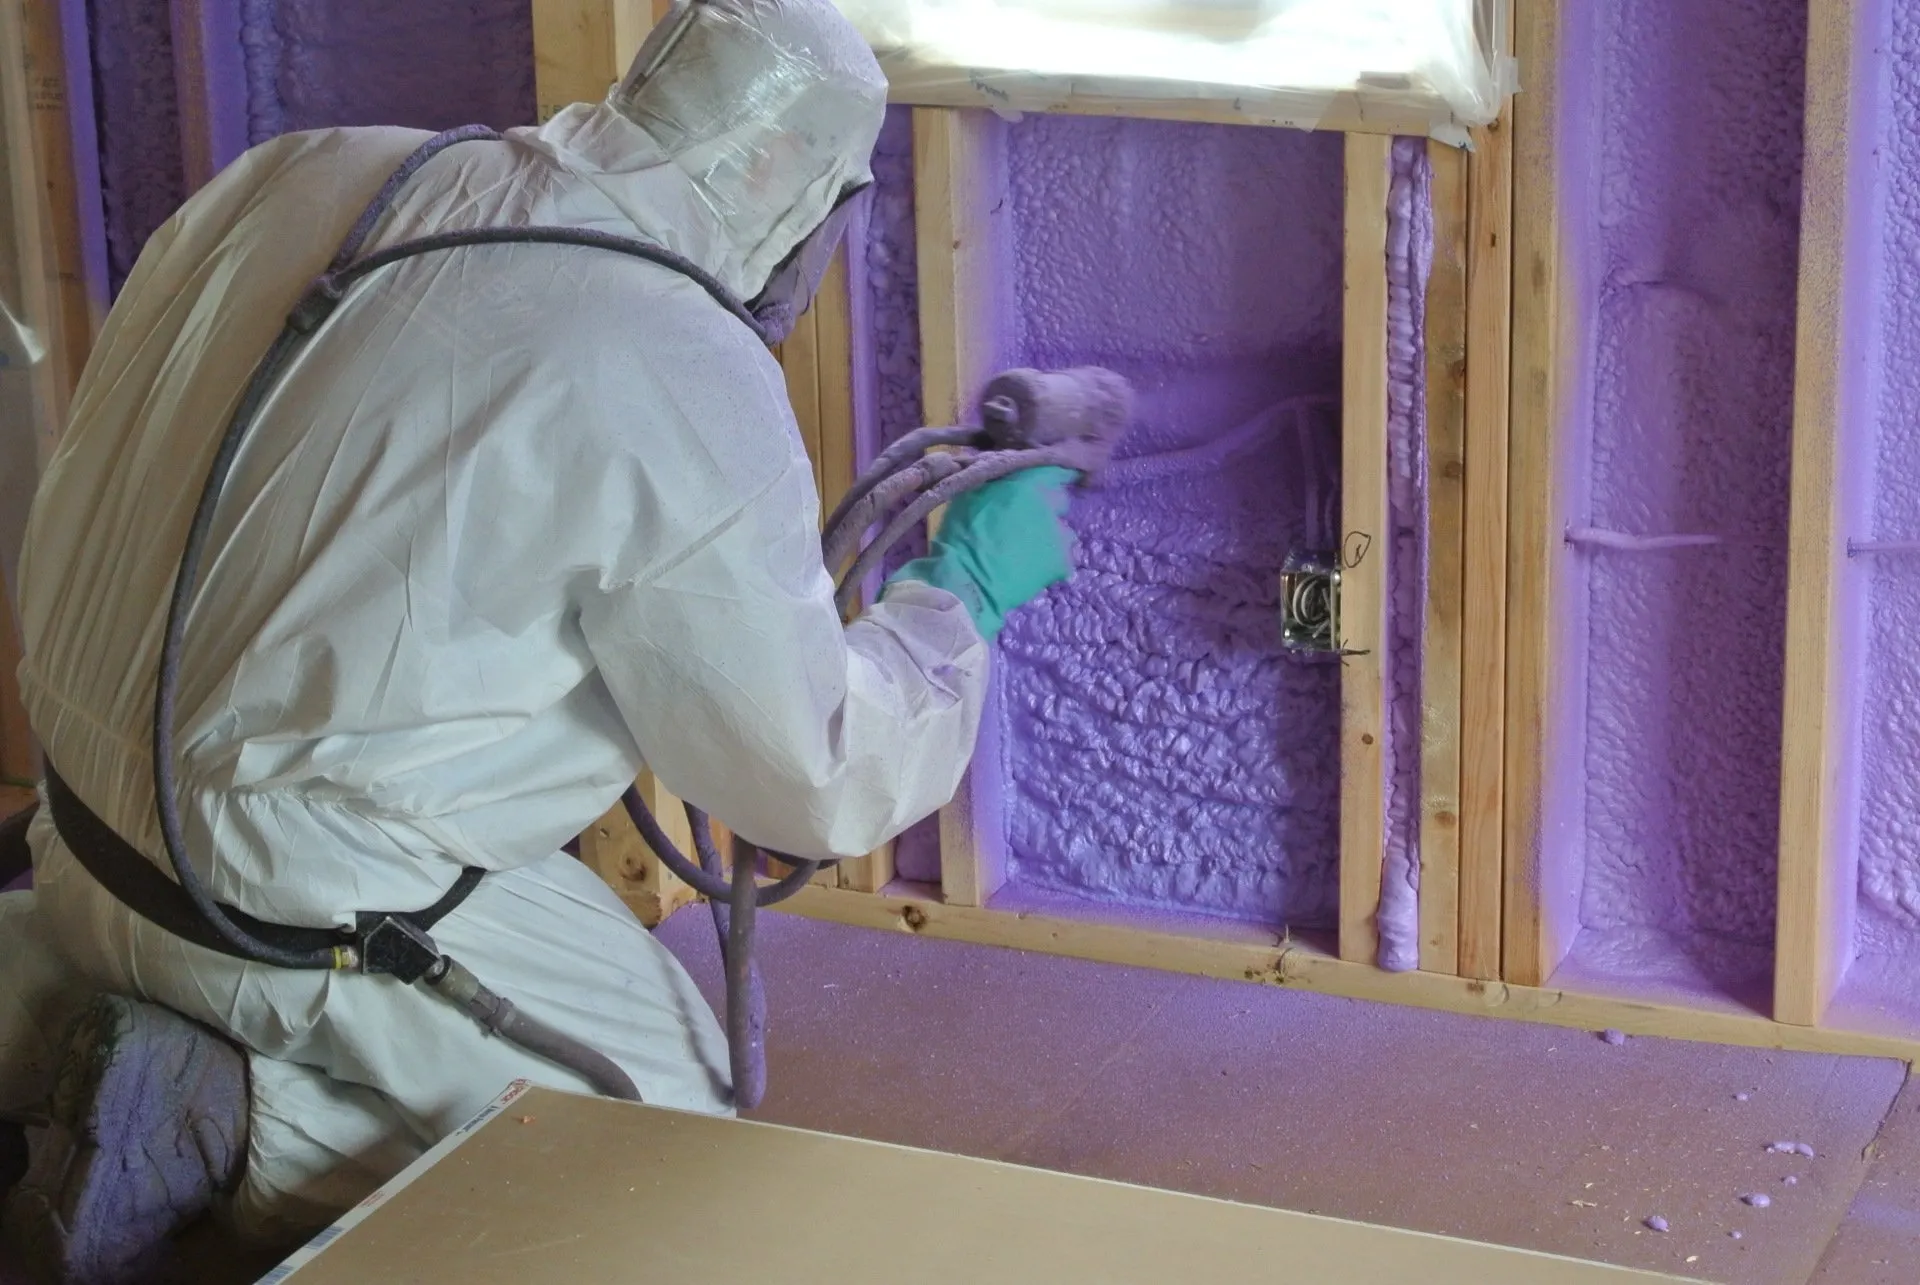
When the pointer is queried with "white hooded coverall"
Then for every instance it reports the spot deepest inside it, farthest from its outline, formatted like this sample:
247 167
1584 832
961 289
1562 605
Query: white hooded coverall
519 522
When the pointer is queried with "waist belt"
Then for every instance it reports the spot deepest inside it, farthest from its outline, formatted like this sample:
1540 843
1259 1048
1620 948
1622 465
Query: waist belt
134 881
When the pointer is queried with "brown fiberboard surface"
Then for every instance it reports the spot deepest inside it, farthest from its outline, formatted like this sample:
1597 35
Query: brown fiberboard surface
1505 1132
564 1189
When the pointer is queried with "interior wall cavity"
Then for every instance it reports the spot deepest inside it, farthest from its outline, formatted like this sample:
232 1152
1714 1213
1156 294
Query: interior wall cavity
1888 922
1693 254
429 64
306 64
886 324
1159 749
137 118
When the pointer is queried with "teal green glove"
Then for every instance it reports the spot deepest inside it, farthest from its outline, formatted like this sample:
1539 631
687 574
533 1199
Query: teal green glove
1000 547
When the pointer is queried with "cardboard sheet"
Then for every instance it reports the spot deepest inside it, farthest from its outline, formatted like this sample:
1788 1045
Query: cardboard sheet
549 1187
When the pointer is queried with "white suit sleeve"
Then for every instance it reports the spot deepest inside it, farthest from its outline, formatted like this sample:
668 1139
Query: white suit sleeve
747 697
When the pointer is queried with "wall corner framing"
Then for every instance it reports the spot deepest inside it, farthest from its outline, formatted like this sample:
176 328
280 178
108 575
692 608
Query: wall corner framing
1818 876
1543 340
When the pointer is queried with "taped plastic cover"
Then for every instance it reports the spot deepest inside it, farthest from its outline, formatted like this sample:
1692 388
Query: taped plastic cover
1433 66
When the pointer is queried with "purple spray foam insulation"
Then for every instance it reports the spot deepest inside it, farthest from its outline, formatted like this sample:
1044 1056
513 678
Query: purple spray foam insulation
886 324
313 64
304 64
1160 750
1889 457
137 115
1693 244
1409 261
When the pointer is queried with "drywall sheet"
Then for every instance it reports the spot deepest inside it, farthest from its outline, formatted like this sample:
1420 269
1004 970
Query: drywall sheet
549 1187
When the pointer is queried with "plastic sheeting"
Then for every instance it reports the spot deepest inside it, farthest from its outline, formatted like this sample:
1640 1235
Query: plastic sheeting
1288 61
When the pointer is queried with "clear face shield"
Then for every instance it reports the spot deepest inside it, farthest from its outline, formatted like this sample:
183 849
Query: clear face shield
771 110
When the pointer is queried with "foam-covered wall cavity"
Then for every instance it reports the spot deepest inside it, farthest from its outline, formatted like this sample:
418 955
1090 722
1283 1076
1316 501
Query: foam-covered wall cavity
307 64
887 352
431 64
142 178
1409 261
1160 750
1889 818
1693 251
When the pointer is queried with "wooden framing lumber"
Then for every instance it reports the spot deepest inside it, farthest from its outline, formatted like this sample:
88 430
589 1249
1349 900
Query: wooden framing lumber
1818 889
19 759
59 290
1544 337
959 175
613 849
1483 871
1346 113
581 47
835 465
210 89
1446 374
1364 545
817 360
74 245
1243 954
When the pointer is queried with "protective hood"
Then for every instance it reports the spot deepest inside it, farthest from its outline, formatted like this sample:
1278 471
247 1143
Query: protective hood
739 128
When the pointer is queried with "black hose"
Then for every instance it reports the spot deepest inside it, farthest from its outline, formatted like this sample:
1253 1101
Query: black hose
500 1015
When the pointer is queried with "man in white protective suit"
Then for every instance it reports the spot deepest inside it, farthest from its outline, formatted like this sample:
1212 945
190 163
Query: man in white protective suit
517 522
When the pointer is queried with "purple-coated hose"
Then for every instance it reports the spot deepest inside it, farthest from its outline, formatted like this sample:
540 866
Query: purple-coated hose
907 450
911 478
896 475
500 1016
987 467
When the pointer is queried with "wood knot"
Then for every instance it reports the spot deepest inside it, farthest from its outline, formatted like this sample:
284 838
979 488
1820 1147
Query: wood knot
914 918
